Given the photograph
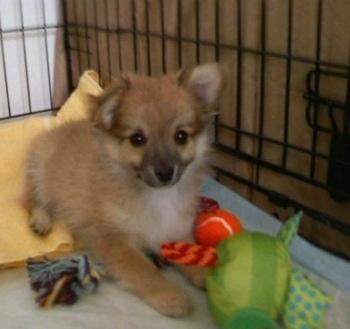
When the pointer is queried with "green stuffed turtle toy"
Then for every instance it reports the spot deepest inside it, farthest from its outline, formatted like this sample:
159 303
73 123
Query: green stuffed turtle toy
253 284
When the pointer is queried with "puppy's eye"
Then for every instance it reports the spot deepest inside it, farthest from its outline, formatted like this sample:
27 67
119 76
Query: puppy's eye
181 137
138 139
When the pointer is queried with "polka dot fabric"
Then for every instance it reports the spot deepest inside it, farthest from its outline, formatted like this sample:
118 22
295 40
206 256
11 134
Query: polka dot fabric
306 304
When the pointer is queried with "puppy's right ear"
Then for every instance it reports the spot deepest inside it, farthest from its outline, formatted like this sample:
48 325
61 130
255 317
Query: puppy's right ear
105 106
205 83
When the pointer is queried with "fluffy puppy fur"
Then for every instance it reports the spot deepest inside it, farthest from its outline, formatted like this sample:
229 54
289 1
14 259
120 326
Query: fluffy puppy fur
128 179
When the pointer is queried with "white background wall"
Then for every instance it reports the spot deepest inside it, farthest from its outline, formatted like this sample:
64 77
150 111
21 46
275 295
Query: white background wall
26 57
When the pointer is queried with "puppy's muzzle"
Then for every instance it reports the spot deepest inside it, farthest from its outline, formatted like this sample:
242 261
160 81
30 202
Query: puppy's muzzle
161 168
164 175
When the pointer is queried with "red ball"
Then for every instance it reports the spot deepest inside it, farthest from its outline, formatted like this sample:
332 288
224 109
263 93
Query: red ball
215 226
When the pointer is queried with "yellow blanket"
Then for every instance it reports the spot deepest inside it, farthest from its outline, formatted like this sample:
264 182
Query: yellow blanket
17 241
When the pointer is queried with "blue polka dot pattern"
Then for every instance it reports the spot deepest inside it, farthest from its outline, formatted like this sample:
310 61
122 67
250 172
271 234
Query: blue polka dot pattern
306 304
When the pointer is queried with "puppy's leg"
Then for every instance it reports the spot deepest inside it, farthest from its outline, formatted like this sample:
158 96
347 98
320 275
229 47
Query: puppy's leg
138 274
40 221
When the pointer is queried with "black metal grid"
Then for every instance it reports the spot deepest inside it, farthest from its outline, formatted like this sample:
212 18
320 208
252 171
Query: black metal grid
130 35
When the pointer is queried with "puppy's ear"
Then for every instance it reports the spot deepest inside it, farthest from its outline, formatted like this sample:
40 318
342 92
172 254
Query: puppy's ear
206 83
105 106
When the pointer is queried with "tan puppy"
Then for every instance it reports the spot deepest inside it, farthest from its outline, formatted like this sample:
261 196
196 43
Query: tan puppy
129 179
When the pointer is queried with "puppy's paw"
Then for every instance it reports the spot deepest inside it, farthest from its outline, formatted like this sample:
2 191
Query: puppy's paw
40 222
169 300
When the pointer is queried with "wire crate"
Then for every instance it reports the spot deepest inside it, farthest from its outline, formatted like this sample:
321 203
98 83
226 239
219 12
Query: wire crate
282 135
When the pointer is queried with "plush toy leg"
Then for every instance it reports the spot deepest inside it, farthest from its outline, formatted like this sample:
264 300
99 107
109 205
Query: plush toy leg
249 318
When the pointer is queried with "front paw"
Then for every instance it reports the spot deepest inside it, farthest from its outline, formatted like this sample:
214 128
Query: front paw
169 300
40 222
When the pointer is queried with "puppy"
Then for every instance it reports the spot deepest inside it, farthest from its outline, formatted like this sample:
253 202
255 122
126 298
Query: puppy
129 179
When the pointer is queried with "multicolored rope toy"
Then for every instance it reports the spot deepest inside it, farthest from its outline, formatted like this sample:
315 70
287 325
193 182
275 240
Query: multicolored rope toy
62 281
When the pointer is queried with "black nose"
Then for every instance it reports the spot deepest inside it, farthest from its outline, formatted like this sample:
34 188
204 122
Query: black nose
165 174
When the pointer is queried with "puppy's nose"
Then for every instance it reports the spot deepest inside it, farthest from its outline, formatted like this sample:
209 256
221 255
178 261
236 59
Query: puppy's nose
164 174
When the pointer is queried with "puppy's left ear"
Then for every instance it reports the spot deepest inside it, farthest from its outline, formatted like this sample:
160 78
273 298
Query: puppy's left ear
206 83
104 108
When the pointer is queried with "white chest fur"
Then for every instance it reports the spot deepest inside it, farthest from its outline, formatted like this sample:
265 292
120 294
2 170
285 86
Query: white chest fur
167 215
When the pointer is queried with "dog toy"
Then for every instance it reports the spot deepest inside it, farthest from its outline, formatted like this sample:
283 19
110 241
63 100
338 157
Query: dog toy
190 254
62 281
251 282
216 225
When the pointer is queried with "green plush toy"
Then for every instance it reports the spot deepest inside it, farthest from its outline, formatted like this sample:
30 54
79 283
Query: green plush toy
248 289
253 283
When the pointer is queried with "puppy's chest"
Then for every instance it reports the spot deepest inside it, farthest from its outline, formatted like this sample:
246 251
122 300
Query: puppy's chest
167 216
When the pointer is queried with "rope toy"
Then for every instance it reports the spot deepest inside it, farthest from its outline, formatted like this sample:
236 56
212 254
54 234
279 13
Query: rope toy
190 254
213 225
62 281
